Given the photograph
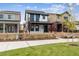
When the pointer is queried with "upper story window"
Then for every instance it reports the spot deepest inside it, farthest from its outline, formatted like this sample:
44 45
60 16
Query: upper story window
9 16
43 16
37 17
31 17
65 17
1 15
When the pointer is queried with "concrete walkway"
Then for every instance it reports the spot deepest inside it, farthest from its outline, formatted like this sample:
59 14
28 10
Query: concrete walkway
21 44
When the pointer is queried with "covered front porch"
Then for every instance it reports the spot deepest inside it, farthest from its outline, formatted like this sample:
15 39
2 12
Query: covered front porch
38 27
9 28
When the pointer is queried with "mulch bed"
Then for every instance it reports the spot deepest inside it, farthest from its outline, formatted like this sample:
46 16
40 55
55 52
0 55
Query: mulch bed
24 40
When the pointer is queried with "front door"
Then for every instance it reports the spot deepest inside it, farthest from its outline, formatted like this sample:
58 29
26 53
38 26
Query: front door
45 28
59 27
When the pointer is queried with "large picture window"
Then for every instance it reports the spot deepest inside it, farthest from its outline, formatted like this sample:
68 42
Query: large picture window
31 17
65 17
37 17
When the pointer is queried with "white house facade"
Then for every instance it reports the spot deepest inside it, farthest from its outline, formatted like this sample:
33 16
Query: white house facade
36 21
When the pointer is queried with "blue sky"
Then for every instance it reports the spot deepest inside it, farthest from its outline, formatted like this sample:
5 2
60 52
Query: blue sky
47 7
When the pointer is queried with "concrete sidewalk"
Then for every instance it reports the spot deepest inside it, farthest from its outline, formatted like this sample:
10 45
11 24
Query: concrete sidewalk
21 44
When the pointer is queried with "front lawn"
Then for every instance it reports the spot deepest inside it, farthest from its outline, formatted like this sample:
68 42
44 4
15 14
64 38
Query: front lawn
60 49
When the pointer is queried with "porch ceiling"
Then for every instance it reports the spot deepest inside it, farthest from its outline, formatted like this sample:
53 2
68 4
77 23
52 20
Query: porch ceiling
41 23
45 23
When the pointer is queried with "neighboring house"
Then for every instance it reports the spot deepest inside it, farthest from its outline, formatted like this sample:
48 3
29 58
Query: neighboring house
57 21
9 21
36 21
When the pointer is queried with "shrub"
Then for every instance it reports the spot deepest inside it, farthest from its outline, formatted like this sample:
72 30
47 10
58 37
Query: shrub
38 36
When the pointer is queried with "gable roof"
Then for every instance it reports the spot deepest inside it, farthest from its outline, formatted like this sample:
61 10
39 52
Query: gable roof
60 13
65 12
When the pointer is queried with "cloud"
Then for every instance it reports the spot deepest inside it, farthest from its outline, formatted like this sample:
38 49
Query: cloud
54 8
19 5
77 3
76 16
35 7
31 8
28 7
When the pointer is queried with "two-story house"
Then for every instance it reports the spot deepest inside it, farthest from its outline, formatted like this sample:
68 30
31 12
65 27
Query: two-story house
57 21
36 21
9 21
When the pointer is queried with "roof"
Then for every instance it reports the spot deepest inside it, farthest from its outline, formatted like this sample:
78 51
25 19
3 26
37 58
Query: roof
36 12
10 12
60 13
66 12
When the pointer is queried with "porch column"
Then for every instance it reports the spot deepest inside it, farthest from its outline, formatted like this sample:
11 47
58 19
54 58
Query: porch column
17 28
17 36
4 28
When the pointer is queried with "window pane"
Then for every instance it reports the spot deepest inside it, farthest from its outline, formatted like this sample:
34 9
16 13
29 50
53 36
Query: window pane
32 28
43 16
37 17
31 17
1 16
9 16
65 17
1 28
37 28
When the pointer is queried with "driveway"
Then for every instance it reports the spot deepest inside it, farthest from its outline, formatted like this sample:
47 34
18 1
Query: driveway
21 44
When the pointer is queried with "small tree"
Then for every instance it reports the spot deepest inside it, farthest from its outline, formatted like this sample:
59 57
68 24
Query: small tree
66 23
70 26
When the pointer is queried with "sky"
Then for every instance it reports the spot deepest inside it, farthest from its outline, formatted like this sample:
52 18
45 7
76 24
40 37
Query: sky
47 7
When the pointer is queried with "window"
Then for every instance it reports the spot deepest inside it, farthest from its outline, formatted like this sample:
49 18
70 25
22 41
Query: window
1 28
37 27
65 17
32 28
31 17
9 16
1 16
37 17
43 16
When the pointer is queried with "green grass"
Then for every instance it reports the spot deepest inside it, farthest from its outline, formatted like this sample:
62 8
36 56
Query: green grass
60 49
